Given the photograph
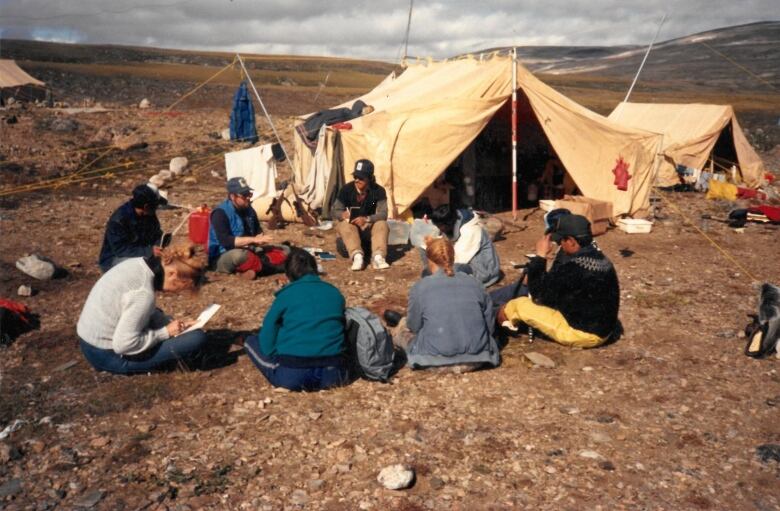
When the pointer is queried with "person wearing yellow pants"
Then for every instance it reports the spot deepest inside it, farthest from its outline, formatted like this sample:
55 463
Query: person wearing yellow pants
576 302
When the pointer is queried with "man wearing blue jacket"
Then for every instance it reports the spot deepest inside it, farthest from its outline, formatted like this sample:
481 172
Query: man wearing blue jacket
133 229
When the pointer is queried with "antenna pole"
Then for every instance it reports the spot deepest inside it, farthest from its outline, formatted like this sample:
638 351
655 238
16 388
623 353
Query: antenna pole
408 29
645 58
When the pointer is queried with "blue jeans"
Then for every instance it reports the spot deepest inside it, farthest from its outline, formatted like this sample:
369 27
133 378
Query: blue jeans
297 378
504 294
164 356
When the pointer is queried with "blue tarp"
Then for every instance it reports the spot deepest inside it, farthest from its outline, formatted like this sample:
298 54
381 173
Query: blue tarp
242 117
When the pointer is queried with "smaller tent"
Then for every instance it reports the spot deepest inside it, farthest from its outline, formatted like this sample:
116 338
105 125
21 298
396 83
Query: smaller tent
15 83
693 133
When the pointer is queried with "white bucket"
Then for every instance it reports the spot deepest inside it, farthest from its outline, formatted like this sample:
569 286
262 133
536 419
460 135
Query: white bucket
399 232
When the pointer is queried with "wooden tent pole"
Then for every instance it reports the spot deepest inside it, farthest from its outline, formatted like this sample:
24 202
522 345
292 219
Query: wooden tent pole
514 133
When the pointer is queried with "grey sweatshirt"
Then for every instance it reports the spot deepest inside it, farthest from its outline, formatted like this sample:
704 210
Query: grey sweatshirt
119 314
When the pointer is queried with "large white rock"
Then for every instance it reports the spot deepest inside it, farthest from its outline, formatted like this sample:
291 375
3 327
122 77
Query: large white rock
36 267
157 181
226 134
178 165
144 104
396 477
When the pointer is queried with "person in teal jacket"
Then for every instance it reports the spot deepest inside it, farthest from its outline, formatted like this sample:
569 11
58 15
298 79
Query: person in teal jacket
301 345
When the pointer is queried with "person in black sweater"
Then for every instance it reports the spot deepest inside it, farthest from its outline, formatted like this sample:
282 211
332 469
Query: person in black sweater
576 303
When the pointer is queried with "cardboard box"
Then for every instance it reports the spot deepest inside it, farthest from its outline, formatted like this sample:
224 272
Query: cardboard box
598 212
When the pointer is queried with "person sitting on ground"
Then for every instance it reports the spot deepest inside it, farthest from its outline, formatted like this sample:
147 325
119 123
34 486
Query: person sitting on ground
121 331
236 240
301 345
449 319
361 208
133 230
575 303
475 254
519 287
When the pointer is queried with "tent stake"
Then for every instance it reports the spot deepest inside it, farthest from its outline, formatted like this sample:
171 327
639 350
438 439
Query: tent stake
514 133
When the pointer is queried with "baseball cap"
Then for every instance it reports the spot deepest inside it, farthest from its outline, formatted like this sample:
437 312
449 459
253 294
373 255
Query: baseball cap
364 169
551 218
238 185
570 226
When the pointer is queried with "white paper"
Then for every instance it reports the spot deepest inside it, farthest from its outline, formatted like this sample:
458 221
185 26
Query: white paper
204 317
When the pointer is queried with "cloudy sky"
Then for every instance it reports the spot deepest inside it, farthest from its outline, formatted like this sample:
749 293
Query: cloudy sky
355 28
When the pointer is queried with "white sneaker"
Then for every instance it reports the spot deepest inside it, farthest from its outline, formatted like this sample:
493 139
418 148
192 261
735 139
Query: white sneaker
379 263
357 262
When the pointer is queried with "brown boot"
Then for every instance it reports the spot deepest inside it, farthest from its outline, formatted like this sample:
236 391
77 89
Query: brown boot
248 275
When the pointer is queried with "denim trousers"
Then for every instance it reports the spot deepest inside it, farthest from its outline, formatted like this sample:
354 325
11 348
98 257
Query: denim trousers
164 356
296 378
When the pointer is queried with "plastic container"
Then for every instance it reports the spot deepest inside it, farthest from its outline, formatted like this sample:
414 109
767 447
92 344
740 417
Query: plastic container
399 232
635 225
199 225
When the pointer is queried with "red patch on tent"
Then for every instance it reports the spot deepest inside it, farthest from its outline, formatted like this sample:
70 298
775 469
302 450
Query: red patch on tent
621 174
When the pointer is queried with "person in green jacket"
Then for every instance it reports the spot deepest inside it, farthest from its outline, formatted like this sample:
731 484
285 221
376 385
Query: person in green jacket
301 345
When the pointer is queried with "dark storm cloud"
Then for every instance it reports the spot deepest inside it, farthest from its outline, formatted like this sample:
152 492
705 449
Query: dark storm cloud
366 29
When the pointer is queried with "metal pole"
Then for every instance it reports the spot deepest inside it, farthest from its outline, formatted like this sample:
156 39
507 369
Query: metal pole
408 28
267 116
514 133
645 58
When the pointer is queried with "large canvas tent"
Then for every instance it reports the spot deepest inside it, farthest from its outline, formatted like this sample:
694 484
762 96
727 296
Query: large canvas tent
14 82
693 134
428 115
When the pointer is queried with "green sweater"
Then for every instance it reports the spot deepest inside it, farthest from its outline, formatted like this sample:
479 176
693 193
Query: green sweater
305 320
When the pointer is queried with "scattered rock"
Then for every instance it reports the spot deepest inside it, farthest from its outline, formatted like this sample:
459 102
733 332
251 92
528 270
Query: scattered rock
768 452
100 442
190 180
36 267
157 181
11 119
36 446
540 360
436 483
592 455
225 134
607 465
299 498
569 410
24 290
65 366
129 143
64 125
315 484
145 427
396 477
315 415
144 104
600 438
11 487
89 500
178 165
5 453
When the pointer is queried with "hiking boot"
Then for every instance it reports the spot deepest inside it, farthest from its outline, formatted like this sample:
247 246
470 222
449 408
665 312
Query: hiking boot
248 274
379 262
357 262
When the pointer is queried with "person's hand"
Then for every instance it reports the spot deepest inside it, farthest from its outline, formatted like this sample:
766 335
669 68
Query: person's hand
345 215
360 221
175 327
156 251
263 239
544 246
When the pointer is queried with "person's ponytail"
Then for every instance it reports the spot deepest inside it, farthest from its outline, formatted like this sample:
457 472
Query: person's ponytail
442 253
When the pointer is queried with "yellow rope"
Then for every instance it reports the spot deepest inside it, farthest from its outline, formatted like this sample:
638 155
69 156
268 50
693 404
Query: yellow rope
712 242
748 71
70 178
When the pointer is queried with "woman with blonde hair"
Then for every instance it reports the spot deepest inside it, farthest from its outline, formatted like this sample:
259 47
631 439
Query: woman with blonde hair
121 331
449 315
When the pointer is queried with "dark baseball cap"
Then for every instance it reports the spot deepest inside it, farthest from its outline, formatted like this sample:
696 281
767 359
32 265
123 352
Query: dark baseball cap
570 226
147 194
238 185
364 169
551 218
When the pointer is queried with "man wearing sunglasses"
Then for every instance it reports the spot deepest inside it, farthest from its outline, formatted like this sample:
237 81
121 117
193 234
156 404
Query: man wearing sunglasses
576 302
133 229
236 240
361 208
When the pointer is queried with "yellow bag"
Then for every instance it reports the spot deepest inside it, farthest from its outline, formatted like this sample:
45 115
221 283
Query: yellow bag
720 190
551 323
